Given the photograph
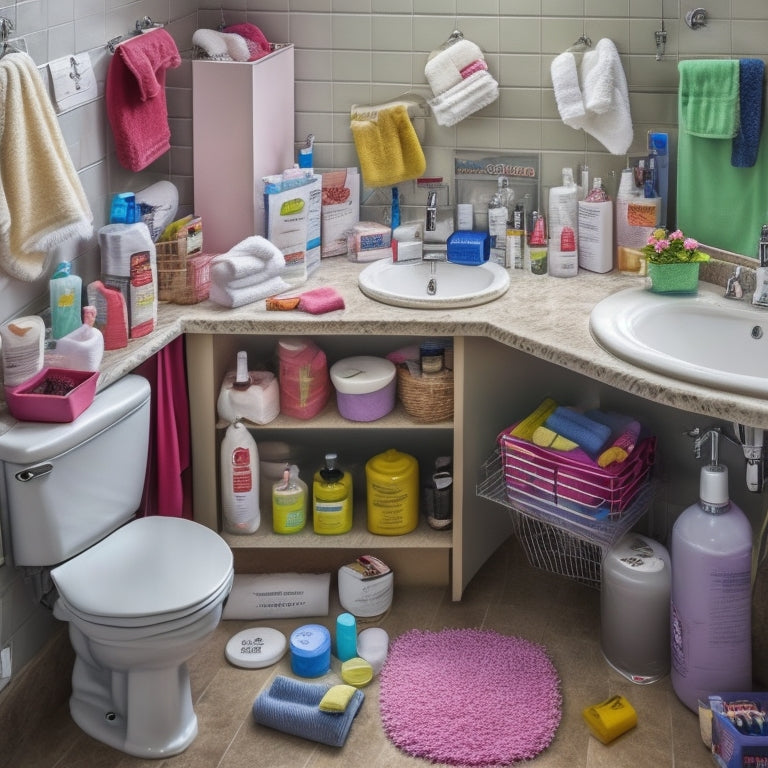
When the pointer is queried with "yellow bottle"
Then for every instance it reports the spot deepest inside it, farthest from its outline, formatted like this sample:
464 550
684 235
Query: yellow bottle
392 480
289 502
331 498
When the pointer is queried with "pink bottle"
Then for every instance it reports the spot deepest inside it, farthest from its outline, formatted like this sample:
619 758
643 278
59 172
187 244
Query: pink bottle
710 613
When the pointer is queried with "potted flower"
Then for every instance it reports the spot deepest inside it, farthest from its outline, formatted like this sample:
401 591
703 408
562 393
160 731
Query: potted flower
673 262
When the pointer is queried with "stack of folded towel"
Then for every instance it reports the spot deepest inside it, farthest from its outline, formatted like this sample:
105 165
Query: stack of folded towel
248 272
238 42
459 78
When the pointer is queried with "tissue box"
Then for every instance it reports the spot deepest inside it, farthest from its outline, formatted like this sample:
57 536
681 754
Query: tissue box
53 394
731 747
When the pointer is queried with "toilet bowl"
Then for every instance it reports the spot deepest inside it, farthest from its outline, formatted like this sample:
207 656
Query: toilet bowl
158 596
140 595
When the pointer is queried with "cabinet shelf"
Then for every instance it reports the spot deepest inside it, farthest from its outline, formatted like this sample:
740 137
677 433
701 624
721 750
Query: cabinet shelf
359 538
330 418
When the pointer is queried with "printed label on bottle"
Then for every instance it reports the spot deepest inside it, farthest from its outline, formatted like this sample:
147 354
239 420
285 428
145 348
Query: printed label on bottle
242 481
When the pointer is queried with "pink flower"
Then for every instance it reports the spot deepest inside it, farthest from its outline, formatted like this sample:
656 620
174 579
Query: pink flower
661 246
676 235
651 240
690 244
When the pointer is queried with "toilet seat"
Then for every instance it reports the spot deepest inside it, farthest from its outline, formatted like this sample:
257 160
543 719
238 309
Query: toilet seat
153 571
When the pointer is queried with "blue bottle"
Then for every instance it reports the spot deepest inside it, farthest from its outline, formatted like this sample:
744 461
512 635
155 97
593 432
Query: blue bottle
66 298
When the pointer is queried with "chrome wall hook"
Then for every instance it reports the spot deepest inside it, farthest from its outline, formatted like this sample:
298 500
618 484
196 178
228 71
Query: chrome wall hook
696 18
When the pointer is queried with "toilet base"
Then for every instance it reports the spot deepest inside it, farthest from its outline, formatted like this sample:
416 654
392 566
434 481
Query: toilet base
158 726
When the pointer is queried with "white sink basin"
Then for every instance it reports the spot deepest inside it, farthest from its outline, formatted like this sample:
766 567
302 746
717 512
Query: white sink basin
706 339
455 285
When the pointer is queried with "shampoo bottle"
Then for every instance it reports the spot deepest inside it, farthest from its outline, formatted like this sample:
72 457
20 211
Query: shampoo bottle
289 502
563 206
240 480
710 613
331 498
66 299
596 230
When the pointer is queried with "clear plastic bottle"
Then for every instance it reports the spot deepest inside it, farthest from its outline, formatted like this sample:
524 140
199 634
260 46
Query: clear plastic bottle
289 502
562 206
596 229
710 615
497 218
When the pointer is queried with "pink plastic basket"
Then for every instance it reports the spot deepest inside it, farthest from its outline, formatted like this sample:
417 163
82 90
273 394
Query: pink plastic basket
571 480
53 394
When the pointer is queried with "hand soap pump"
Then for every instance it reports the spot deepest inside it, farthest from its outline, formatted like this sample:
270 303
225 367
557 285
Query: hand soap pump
710 611
760 297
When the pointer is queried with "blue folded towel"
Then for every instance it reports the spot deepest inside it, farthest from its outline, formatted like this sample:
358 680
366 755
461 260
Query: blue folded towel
588 434
747 141
292 706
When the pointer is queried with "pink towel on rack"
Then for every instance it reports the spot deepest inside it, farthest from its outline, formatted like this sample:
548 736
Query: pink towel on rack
135 96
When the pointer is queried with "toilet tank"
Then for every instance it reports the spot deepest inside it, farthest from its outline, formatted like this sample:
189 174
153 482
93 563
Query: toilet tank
68 486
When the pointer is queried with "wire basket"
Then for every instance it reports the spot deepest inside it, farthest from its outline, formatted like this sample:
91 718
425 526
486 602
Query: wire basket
557 538
182 277
428 398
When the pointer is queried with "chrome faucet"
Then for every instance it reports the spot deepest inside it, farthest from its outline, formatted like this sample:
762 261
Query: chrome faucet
733 288
431 222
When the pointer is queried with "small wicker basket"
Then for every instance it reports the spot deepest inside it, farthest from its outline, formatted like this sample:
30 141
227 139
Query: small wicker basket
428 398
182 277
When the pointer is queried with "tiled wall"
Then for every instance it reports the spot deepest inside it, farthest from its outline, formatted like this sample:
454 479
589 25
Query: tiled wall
365 51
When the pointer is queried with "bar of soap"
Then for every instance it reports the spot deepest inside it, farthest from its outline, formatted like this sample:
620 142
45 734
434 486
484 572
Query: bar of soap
373 646
609 719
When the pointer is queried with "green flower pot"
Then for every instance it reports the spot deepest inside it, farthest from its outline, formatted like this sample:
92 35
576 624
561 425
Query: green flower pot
674 278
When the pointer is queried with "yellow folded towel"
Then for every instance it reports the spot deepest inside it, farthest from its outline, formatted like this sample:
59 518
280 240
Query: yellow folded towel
337 698
546 438
709 97
387 146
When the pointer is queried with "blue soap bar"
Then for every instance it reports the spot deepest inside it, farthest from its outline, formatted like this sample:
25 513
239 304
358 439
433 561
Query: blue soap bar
469 247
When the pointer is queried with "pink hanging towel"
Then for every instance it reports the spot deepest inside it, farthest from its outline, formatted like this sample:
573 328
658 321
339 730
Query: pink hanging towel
135 96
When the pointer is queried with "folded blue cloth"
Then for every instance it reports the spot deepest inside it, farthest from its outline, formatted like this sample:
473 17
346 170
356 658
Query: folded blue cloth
588 434
747 141
292 706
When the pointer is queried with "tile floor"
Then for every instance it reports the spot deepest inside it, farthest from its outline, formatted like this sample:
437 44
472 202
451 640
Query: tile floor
507 595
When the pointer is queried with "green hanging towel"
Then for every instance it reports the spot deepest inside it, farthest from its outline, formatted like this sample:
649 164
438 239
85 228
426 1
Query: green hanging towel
709 97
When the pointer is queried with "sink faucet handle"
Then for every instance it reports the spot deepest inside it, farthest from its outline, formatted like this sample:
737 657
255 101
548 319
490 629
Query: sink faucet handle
431 224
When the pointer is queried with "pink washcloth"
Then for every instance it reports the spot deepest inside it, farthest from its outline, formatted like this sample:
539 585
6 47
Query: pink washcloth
135 97
254 37
321 300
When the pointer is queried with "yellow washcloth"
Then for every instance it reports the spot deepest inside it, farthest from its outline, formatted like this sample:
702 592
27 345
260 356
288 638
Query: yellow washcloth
546 438
337 698
387 145
525 428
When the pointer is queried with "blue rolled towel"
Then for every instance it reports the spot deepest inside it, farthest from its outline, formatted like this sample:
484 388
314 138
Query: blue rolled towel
292 706
588 434
747 141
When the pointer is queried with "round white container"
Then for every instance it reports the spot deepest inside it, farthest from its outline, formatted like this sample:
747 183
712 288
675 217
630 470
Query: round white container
365 387
366 592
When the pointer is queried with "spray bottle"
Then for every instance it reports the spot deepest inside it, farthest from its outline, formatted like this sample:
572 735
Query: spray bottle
710 614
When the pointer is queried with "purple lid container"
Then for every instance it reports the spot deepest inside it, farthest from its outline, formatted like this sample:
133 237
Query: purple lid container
365 387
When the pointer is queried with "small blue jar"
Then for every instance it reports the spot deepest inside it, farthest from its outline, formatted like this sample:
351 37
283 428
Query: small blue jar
310 650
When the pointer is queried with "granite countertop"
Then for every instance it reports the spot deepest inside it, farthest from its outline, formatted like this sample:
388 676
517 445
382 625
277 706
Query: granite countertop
544 316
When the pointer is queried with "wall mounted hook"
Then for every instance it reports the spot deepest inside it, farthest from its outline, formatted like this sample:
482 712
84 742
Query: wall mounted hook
696 18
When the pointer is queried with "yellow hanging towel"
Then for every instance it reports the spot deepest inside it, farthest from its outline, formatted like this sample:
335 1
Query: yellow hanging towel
387 145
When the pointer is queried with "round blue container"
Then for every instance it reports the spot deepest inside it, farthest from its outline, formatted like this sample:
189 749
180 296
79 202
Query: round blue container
310 650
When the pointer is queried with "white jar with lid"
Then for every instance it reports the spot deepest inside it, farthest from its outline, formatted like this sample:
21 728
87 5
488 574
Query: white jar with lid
365 387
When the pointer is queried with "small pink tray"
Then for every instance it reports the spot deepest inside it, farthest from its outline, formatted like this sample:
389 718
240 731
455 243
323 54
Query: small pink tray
27 404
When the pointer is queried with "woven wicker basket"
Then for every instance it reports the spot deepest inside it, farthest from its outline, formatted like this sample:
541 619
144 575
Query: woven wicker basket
426 399
182 278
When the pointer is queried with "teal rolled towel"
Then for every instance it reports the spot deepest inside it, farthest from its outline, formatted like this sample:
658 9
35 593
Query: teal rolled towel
588 434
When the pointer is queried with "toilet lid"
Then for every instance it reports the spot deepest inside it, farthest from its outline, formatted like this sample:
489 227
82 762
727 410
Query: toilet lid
151 567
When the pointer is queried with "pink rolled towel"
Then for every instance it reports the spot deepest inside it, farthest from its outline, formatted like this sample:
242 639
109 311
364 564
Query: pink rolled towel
135 97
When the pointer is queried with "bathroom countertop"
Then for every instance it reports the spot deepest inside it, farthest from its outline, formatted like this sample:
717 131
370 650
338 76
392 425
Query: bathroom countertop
544 316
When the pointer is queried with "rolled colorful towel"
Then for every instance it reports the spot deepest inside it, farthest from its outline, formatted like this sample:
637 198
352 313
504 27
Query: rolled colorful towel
588 434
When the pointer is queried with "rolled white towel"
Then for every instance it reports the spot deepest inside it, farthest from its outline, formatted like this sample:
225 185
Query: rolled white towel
465 98
565 80
253 255
238 297
443 70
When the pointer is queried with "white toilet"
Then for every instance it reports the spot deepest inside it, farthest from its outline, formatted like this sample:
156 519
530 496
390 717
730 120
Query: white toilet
141 595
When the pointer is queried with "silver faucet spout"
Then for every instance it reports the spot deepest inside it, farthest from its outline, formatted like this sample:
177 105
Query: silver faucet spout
431 222
733 288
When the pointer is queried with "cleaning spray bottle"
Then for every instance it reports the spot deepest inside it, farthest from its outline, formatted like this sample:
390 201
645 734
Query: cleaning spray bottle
710 614
239 480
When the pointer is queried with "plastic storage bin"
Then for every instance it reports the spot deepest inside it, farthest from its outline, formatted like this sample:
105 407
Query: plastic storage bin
365 387
53 394
737 747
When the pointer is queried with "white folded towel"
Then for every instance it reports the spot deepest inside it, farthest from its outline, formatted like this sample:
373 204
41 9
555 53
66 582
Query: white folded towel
254 255
238 297
603 95
460 82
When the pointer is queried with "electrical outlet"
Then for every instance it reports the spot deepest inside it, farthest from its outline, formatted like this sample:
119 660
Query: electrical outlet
6 662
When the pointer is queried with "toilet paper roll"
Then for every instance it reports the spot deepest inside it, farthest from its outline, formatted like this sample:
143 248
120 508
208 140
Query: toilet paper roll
278 596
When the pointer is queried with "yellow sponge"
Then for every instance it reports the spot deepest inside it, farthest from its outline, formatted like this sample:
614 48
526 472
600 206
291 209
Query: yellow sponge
337 698
609 719
357 672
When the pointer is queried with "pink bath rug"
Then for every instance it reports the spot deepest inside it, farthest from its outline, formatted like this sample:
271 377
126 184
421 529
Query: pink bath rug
469 697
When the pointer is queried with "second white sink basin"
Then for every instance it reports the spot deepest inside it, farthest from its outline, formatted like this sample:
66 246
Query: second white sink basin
433 285
706 339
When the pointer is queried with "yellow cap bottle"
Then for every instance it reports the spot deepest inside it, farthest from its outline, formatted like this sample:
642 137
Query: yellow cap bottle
331 498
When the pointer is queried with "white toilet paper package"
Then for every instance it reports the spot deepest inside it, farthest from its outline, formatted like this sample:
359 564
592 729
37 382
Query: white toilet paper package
278 596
